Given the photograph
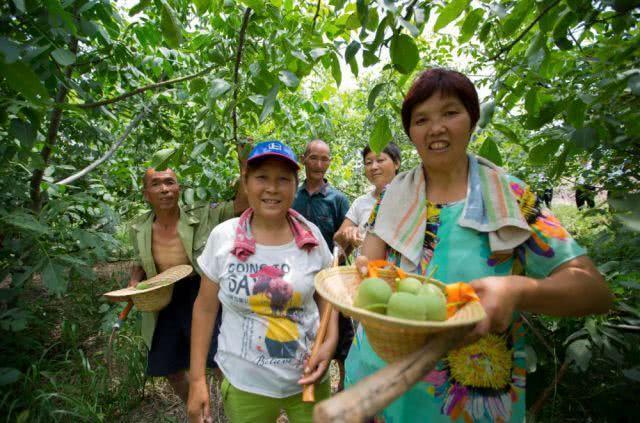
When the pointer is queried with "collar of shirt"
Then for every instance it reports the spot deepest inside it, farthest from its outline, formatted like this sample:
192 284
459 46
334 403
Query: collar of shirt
324 189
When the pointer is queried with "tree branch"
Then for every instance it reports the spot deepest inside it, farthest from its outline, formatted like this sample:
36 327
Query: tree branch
410 8
315 17
236 77
141 90
526 30
108 154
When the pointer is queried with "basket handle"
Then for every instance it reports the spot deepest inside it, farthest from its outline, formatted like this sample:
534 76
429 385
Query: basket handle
375 265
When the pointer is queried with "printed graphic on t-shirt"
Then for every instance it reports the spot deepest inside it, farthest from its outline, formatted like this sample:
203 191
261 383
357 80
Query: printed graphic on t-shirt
278 305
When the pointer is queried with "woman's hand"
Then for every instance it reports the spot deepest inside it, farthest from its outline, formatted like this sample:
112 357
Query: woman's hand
500 296
198 409
315 367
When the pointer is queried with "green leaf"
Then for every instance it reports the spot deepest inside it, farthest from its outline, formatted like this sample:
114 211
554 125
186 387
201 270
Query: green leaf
537 42
53 278
380 135
449 13
63 56
375 92
336 72
188 196
269 102
363 10
585 138
486 113
369 58
507 132
139 7
288 78
9 375
202 5
9 50
470 25
404 53
489 150
23 79
170 26
23 131
25 222
576 113
542 153
351 51
634 84
20 5
516 16
161 158
218 88
561 28
579 353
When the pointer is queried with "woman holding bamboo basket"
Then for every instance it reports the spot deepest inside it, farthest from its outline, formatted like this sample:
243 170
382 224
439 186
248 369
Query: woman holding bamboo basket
464 219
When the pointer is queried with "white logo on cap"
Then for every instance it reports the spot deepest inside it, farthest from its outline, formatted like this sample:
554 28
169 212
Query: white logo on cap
274 146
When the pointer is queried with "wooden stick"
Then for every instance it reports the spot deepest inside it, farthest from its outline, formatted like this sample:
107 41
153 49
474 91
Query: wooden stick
375 392
327 311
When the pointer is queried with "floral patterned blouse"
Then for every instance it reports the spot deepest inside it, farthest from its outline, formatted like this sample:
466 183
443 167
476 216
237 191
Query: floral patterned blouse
483 382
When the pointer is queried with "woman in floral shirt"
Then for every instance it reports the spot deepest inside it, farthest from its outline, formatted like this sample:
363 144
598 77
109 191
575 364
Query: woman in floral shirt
471 222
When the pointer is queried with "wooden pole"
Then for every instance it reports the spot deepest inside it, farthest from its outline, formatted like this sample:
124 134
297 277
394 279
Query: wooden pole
375 392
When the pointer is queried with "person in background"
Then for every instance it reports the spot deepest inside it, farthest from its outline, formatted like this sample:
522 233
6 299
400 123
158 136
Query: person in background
326 207
380 169
261 267
169 235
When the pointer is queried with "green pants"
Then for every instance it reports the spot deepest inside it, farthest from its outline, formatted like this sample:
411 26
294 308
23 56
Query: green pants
241 406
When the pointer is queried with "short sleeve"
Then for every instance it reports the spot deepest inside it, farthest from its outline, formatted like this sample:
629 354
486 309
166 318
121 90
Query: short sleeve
352 214
209 261
549 246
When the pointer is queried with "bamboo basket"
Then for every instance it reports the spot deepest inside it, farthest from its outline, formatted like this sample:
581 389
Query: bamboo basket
391 338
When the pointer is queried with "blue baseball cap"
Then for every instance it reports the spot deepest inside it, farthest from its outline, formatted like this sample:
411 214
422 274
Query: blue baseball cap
273 149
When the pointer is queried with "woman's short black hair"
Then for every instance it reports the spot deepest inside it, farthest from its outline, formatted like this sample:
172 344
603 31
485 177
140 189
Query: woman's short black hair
392 150
447 82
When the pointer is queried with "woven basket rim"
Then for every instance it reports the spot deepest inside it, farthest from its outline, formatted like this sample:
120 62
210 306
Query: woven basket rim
169 276
371 318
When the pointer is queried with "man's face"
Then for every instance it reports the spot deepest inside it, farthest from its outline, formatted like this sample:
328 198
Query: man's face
161 189
317 161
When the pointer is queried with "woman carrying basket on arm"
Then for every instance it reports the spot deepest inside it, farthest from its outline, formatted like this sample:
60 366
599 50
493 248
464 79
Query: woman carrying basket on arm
467 218
261 267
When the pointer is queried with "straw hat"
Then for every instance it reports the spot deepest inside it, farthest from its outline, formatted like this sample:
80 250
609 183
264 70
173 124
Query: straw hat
157 293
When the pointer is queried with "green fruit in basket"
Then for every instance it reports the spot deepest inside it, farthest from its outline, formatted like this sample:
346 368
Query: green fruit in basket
410 285
143 285
372 294
407 306
435 301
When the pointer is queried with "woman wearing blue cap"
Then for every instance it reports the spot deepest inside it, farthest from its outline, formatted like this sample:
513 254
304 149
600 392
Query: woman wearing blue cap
261 267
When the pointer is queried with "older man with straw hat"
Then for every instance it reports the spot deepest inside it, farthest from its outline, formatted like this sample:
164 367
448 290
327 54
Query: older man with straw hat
171 235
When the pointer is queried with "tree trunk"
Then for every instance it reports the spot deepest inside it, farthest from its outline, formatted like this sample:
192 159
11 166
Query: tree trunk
52 134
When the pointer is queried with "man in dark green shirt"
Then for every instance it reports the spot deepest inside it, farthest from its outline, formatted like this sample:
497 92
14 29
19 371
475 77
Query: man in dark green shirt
316 199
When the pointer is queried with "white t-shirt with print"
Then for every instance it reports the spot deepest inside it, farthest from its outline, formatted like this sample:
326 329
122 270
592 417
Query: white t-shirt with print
360 209
269 315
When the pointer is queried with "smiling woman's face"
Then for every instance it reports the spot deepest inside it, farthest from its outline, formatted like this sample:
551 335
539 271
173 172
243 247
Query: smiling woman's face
440 129
271 188
379 169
